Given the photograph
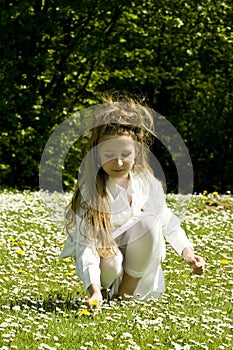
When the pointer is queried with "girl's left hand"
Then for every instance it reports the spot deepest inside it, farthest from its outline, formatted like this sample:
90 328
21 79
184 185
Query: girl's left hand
197 263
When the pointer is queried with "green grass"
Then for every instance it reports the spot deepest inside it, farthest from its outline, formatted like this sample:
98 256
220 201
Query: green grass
41 299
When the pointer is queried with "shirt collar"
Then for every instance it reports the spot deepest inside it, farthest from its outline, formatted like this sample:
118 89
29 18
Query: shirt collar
115 190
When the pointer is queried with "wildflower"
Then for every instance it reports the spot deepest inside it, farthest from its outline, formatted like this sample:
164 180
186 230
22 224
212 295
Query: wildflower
16 308
126 335
20 252
203 198
84 312
94 303
70 273
215 193
224 262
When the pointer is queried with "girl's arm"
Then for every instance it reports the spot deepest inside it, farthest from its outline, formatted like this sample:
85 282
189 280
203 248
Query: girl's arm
176 236
172 231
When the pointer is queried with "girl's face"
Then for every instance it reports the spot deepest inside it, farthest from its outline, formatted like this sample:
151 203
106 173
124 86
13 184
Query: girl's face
117 155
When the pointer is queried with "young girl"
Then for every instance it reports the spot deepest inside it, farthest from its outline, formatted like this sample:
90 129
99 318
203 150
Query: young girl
118 216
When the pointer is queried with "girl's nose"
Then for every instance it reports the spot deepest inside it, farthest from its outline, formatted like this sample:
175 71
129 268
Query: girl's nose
119 161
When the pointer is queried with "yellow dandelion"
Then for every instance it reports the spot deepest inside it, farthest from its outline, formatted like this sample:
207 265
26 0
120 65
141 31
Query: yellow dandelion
20 252
71 273
224 262
94 303
215 193
84 312
203 198
205 192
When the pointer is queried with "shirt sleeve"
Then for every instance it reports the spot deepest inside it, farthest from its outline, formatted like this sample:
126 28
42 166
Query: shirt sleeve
86 257
173 232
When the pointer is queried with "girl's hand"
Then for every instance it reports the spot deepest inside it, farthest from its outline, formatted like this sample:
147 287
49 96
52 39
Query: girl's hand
197 263
95 301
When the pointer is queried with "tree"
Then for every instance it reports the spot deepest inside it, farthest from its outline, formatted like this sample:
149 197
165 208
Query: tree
59 57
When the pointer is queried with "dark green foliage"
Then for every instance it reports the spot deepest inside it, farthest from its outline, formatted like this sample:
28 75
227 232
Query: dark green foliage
60 56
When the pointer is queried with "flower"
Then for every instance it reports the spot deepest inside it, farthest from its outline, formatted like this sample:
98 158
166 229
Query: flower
224 262
94 303
84 312
20 252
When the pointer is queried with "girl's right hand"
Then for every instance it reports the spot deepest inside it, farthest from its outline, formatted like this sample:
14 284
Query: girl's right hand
95 301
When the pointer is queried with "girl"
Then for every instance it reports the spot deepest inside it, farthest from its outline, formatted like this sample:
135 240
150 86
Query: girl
118 218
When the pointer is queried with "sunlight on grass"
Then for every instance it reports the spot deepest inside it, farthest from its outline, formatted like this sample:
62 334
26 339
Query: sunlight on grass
42 303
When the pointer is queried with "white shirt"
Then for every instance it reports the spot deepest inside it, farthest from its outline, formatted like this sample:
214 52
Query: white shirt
147 198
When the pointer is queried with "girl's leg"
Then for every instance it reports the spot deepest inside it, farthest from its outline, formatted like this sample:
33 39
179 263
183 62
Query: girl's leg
111 268
138 255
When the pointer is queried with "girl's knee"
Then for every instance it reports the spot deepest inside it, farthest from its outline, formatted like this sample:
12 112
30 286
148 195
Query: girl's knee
138 254
111 268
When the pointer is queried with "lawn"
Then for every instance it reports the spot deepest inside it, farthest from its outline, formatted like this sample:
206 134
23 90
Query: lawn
41 298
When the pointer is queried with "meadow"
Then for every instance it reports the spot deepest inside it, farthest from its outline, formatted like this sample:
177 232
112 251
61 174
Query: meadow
42 300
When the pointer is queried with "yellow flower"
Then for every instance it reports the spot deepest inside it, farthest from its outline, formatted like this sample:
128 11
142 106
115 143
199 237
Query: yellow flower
224 262
94 303
203 198
70 273
214 280
84 312
20 252
205 192
215 193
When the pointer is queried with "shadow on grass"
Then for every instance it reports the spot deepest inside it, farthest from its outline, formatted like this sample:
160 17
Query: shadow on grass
51 303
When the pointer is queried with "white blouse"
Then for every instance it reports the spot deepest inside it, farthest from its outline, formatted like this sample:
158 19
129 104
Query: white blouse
147 199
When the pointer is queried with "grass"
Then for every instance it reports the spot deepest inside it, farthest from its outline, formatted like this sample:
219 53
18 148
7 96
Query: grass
41 299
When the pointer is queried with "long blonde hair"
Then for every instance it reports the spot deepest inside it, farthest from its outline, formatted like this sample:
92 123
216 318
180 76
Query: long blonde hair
116 118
